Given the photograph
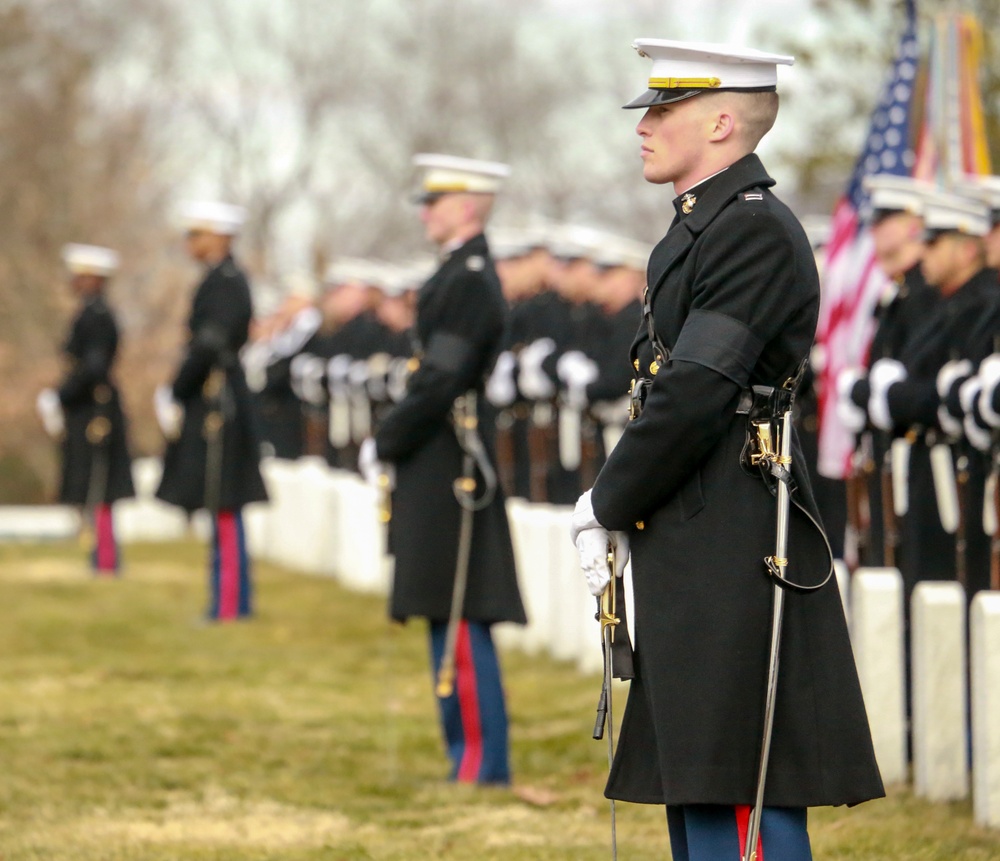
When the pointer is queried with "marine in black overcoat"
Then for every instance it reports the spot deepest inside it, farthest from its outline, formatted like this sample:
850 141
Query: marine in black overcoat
88 395
949 333
906 312
460 321
219 326
735 298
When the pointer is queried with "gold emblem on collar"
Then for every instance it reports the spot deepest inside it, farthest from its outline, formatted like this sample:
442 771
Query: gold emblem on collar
688 201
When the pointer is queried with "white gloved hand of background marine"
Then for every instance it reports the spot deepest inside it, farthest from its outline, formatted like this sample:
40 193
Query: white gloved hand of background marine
593 542
50 411
169 413
371 468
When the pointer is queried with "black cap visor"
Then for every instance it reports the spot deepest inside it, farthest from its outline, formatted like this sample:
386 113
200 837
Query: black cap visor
661 97
652 97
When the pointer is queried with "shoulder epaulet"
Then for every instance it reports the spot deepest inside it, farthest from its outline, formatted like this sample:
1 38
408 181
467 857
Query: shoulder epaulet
228 270
749 196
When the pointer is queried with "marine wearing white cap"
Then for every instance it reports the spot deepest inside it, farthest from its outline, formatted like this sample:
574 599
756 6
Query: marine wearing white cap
685 69
731 306
987 189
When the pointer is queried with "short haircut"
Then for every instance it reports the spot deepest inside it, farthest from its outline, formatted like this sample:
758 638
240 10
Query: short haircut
755 113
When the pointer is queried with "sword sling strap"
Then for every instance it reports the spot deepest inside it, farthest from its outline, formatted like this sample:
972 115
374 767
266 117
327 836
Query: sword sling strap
764 407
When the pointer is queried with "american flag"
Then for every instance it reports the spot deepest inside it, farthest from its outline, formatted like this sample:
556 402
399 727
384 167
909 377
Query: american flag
852 282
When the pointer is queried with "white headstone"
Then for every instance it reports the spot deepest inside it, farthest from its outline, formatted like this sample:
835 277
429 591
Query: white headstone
940 716
844 585
984 621
144 517
877 638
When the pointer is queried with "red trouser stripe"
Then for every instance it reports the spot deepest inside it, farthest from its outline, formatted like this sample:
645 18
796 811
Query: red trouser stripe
468 704
742 826
229 565
104 535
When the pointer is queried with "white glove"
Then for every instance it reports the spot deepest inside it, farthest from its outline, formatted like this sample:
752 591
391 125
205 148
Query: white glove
576 372
950 373
372 469
336 373
307 378
968 394
989 376
884 374
255 358
592 545
533 382
850 414
50 411
501 390
169 413
398 379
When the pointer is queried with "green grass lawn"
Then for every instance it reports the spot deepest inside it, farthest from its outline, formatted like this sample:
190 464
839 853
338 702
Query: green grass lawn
131 730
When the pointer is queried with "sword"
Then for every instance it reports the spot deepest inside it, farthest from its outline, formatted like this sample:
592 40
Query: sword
214 391
99 436
781 468
466 423
608 617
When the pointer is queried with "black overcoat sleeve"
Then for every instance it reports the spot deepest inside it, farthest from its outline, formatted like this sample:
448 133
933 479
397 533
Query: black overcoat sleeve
94 341
461 340
742 267
219 323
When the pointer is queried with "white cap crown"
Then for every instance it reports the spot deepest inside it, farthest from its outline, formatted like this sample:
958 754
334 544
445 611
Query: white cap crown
90 259
212 216
948 212
445 174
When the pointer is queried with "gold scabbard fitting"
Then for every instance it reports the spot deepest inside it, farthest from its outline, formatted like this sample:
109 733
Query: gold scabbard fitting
465 484
97 429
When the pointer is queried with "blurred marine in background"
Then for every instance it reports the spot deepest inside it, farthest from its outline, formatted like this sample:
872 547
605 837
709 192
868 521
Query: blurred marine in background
85 412
449 531
212 459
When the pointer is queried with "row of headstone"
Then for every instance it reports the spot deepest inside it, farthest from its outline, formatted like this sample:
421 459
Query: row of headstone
953 731
326 522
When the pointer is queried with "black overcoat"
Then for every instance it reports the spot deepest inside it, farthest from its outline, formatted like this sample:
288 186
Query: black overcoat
898 320
219 326
460 321
88 395
735 297
960 327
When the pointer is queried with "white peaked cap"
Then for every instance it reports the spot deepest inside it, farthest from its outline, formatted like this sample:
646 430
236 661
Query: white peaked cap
90 259
573 241
351 270
390 279
507 243
889 192
946 211
684 69
618 251
224 219
984 188
442 174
